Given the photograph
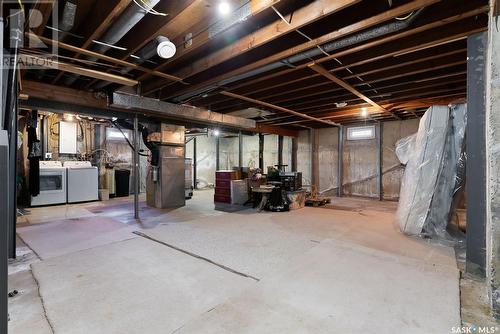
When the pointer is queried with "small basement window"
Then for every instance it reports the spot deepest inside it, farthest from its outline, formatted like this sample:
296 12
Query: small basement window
114 134
361 132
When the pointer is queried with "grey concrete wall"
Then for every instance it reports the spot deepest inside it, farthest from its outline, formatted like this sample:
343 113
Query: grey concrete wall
360 167
304 156
270 151
360 161
360 158
229 152
328 161
251 151
205 159
493 168
391 167
287 152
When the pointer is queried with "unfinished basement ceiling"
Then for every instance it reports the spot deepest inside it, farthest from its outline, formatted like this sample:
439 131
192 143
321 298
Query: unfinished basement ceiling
401 55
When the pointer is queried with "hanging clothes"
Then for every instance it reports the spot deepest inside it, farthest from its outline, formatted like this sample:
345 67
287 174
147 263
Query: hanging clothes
34 155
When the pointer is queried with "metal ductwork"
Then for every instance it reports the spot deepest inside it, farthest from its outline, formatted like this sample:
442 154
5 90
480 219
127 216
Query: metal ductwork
65 24
328 47
130 17
67 20
179 112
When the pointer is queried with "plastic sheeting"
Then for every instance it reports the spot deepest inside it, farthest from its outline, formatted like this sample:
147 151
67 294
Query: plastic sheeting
434 172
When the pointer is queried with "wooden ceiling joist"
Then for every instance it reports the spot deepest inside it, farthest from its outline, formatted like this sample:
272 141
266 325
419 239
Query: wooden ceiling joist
202 38
353 28
321 70
391 39
287 93
275 107
306 15
65 67
104 57
101 28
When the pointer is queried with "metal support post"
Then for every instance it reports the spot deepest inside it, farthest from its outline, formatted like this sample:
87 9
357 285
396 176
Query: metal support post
136 167
217 153
240 149
340 161
261 151
195 171
380 160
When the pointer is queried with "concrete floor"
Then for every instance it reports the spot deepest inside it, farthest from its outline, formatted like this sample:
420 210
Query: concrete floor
345 268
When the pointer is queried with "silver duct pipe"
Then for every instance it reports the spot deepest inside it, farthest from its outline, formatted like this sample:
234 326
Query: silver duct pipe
65 23
328 47
119 28
67 20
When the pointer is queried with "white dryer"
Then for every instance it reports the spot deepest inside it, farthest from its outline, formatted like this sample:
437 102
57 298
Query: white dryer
83 181
52 184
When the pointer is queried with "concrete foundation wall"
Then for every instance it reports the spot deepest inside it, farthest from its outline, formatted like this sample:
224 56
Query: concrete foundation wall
360 158
287 152
360 167
493 166
251 151
229 153
391 167
328 161
205 159
270 151
304 153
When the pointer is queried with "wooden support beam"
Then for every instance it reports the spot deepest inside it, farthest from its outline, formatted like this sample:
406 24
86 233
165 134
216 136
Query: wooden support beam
272 106
275 130
103 25
103 57
62 94
70 96
57 65
321 70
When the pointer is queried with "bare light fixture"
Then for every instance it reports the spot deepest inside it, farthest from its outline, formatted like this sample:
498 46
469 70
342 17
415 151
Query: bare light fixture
216 133
165 48
224 8
364 112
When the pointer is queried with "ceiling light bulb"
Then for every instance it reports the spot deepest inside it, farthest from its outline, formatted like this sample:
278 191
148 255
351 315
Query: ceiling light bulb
364 112
224 7
216 133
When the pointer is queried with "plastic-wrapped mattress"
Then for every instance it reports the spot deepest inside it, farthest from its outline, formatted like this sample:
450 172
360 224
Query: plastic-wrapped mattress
433 171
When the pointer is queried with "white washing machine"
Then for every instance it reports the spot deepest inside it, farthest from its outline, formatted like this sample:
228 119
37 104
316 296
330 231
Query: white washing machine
52 184
83 181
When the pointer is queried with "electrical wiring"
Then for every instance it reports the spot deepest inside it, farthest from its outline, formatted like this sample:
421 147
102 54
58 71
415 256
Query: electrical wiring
148 8
21 5
128 141
405 17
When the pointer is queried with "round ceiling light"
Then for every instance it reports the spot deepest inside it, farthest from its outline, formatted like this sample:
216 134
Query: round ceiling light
224 7
364 112
166 49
